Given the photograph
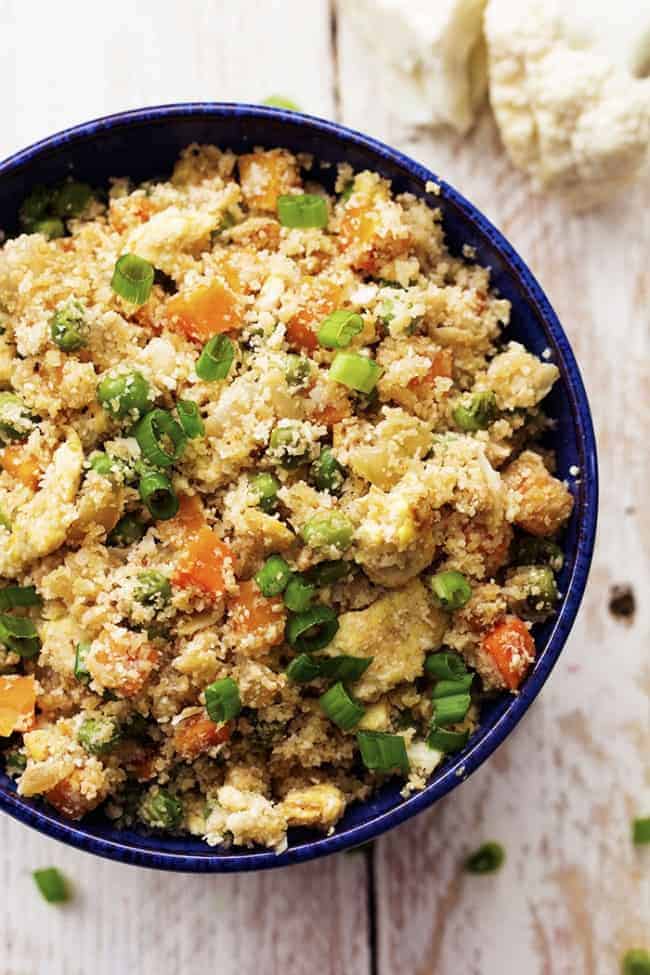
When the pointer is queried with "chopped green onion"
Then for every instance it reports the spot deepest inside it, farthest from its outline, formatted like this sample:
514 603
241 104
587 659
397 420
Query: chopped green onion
81 671
445 666
355 371
50 227
13 596
480 412
304 210
636 961
344 667
297 370
487 859
216 358
383 752
302 669
313 629
133 279
446 741
106 465
287 446
68 327
159 809
16 422
451 589
52 885
152 588
222 701
448 688
641 831
530 550
340 708
338 329
327 573
279 101
98 735
332 530
72 199
273 576
190 419
451 709
161 438
19 635
266 486
326 472
124 394
128 530
298 594
158 495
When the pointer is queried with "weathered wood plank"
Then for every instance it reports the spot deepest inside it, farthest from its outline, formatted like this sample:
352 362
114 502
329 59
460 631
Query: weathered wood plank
560 793
60 66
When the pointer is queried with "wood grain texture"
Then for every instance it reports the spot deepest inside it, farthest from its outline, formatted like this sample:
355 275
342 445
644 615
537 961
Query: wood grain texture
560 793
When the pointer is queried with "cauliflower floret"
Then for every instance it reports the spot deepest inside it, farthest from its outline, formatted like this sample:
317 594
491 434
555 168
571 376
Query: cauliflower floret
42 524
568 117
519 379
396 631
381 454
249 816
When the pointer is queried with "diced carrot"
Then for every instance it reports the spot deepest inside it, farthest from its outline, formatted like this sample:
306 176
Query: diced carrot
358 225
17 703
21 465
512 649
441 365
264 176
302 327
197 734
205 563
190 515
69 798
205 311
256 619
332 413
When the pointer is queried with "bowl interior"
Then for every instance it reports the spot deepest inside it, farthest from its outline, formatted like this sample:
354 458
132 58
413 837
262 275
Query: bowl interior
145 144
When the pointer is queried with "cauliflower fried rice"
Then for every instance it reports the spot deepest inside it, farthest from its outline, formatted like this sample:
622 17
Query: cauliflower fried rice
274 516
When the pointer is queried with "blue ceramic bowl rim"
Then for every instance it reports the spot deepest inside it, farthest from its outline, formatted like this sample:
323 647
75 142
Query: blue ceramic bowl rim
459 770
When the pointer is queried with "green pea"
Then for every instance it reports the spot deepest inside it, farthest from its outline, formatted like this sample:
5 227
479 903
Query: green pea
326 472
98 735
50 227
152 588
16 422
128 530
72 199
125 394
478 413
333 530
266 486
450 589
286 445
68 327
532 591
159 809
530 550
36 206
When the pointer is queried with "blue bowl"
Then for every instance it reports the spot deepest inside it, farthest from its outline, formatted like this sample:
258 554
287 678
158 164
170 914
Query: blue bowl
144 144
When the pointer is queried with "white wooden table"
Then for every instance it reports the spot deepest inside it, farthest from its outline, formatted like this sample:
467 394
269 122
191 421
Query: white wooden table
561 792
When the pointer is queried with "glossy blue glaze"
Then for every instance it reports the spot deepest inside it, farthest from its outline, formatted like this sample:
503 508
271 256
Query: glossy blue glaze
145 143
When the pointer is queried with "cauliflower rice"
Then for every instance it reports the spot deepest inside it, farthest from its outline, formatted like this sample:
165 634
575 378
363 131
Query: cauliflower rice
246 583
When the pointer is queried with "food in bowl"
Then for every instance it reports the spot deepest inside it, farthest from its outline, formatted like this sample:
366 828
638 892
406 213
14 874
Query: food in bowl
275 513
